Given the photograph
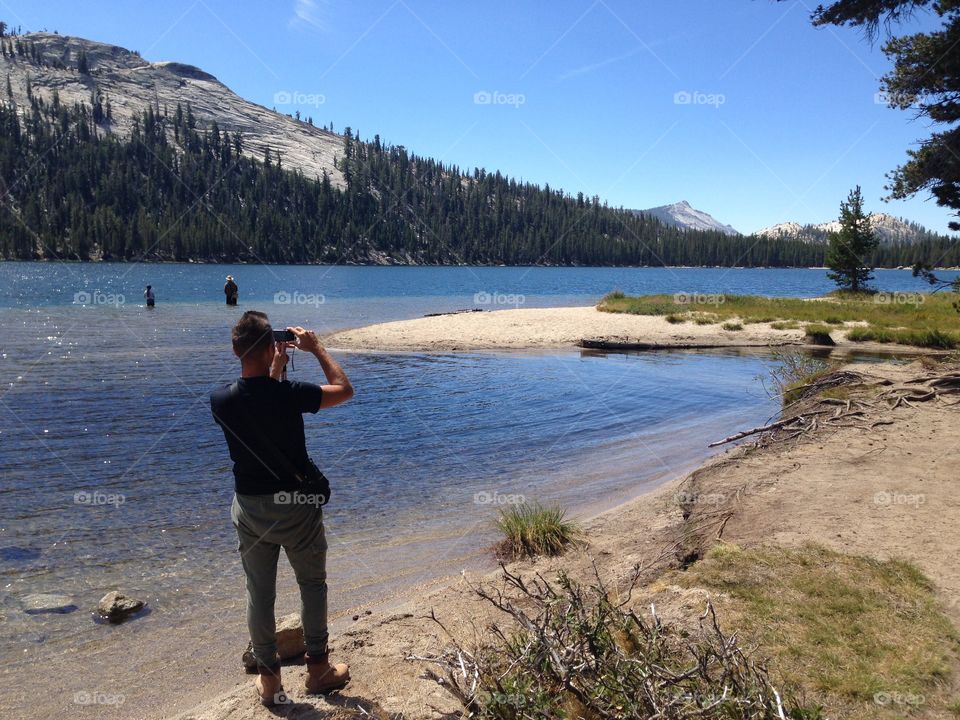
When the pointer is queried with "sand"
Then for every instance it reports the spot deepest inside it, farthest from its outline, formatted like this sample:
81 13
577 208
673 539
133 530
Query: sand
883 491
530 328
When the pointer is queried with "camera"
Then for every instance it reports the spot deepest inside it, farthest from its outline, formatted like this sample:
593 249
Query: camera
283 336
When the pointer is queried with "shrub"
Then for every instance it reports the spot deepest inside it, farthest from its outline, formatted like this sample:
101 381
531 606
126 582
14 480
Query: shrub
732 326
571 652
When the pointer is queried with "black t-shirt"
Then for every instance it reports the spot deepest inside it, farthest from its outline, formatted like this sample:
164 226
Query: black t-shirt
260 420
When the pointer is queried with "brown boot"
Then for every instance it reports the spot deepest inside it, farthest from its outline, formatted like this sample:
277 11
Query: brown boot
269 686
323 677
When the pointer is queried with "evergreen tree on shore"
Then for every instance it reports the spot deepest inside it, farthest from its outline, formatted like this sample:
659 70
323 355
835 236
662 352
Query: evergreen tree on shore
851 246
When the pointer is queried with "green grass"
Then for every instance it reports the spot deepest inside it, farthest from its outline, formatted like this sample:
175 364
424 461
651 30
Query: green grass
840 626
931 338
925 320
732 326
531 529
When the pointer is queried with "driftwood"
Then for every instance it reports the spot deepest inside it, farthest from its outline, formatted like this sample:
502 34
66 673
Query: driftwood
762 429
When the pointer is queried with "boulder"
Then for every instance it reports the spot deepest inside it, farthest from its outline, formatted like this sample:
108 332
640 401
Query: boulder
290 642
36 603
117 607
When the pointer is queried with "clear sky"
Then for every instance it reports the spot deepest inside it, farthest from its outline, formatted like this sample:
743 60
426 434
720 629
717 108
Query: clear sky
740 107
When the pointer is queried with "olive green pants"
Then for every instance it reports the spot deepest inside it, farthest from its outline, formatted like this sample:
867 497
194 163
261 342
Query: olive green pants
263 527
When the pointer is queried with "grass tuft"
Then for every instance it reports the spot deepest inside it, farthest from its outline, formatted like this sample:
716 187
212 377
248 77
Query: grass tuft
529 529
793 372
732 326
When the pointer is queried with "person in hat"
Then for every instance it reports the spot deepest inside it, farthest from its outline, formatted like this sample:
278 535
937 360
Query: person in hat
231 290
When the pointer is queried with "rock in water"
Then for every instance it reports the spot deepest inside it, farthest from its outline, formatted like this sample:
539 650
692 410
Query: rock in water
290 642
37 603
116 607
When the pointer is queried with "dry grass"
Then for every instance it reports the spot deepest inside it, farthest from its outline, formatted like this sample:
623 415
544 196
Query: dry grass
865 637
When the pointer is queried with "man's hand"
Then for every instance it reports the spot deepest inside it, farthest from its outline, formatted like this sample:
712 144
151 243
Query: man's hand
307 340
279 363
338 388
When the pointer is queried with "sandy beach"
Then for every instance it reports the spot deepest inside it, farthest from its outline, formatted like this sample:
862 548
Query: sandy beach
528 328
837 483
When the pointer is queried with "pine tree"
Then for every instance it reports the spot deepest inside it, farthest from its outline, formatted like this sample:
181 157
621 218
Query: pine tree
851 247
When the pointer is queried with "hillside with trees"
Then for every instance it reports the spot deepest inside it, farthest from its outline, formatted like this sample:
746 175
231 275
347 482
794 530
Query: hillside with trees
174 188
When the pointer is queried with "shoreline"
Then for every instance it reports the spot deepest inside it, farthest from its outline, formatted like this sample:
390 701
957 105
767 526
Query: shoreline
582 327
783 491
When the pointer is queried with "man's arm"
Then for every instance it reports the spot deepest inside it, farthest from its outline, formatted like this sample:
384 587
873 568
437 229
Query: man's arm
338 388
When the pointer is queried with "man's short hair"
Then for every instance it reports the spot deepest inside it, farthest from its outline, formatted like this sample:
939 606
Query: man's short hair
252 334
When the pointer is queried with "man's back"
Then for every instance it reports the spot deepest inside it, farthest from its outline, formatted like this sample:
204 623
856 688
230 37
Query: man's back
262 421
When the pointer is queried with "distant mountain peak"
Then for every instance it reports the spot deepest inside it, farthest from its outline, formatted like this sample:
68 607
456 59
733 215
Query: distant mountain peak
889 229
686 217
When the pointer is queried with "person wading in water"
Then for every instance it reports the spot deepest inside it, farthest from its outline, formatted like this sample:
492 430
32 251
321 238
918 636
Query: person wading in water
231 290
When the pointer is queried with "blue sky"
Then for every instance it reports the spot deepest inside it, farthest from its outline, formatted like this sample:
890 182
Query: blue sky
740 107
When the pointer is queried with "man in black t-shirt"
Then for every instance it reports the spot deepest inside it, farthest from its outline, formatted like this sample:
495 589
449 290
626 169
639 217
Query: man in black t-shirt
262 420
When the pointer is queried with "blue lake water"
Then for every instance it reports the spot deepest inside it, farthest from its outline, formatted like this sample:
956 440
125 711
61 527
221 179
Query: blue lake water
114 474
